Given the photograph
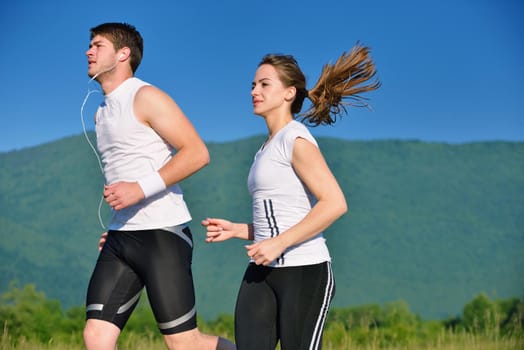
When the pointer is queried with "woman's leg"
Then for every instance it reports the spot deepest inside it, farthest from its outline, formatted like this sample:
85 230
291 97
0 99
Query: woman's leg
256 311
304 294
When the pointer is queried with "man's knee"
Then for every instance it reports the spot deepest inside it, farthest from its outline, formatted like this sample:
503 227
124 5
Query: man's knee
100 335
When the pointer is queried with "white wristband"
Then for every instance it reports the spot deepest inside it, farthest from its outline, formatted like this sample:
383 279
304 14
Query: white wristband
152 184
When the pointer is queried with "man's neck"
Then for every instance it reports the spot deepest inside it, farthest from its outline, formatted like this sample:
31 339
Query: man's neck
110 83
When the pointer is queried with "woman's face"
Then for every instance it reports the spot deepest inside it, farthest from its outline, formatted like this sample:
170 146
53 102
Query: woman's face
268 93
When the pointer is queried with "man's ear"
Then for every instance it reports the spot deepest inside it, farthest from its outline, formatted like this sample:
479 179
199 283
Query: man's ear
124 54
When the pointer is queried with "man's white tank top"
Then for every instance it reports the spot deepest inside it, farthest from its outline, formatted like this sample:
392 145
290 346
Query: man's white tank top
281 200
131 150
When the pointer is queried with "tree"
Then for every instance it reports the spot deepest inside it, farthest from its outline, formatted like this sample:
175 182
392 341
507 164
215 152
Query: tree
480 314
24 312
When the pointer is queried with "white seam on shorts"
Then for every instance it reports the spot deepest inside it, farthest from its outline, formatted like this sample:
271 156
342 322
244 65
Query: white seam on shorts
178 321
179 231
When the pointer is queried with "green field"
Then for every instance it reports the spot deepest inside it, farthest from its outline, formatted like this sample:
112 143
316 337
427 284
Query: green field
31 321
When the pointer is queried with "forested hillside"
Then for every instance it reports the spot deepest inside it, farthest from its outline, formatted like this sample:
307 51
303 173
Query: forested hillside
430 223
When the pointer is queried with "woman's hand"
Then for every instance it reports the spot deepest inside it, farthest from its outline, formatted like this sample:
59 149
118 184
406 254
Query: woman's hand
218 230
266 251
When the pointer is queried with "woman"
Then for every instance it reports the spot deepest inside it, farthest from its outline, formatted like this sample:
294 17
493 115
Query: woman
288 284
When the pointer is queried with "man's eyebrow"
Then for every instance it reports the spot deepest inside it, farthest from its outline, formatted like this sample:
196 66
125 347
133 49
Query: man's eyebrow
95 42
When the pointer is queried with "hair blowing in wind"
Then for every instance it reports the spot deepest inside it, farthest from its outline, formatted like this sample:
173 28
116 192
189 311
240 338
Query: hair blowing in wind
340 85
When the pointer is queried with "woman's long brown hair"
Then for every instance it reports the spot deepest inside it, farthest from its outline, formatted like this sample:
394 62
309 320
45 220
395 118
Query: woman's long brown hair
339 85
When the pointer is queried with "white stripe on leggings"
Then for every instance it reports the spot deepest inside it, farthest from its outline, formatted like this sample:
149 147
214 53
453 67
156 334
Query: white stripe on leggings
328 294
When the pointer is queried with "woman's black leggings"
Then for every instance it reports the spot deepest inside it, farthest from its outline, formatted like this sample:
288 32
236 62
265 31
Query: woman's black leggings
286 304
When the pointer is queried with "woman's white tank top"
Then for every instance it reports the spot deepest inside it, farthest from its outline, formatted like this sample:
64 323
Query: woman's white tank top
280 198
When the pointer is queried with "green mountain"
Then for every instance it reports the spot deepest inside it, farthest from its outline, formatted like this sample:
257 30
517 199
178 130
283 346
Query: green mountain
433 224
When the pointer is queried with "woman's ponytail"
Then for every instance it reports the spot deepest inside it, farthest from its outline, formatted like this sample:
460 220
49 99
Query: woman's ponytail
340 86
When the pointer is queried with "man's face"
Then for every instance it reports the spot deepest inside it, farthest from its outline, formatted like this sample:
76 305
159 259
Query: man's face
101 56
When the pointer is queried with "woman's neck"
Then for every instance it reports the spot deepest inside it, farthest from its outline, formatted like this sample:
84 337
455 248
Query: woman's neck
275 123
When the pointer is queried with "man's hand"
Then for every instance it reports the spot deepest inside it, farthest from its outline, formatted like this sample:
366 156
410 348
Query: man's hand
102 241
121 195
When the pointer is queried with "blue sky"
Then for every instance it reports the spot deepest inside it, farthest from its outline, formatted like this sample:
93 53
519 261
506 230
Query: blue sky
452 70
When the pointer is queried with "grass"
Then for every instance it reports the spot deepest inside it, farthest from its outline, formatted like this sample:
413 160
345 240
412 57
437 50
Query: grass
445 341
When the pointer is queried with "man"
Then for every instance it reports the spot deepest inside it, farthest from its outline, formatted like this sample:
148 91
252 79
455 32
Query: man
138 126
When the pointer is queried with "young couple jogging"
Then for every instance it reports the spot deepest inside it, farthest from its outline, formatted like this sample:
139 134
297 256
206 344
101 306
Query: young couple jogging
148 145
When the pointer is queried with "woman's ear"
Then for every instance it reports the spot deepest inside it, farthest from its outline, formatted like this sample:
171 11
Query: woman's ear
291 92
